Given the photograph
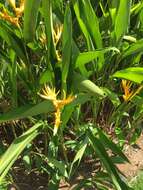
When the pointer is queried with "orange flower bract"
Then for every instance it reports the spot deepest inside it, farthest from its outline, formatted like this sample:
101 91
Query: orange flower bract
128 92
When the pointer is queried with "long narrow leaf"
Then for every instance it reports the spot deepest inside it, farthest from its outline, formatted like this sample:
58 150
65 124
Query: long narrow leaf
30 18
79 154
110 167
84 12
27 111
122 19
108 143
67 45
133 49
13 41
18 145
48 20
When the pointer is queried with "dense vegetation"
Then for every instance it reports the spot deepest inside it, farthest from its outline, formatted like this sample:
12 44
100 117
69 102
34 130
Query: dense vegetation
71 86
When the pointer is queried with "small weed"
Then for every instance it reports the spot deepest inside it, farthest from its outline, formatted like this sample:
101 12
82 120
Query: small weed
137 182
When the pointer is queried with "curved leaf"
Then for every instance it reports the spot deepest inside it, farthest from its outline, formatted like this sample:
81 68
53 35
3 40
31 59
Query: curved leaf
86 57
133 49
134 74
83 84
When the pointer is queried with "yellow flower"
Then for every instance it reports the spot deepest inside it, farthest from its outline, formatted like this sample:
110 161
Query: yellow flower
43 39
128 92
12 3
13 20
18 12
57 33
50 94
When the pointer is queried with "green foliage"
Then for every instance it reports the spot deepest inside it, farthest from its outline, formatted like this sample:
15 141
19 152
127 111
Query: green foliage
134 74
81 50
30 18
16 148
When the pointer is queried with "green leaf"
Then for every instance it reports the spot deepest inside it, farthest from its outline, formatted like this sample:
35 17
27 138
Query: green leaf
136 8
48 21
79 153
68 110
30 18
108 164
59 165
13 41
15 149
53 183
108 143
45 77
67 45
86 57
87 12
122 19
27 111
113 6
134 74
27 162
133 49
84 12
83 84
113 97
81 22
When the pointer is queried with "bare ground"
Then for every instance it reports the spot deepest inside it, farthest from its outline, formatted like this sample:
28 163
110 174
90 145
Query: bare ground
135 156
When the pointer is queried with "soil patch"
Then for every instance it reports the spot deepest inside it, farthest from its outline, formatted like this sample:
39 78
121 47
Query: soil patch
135 156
